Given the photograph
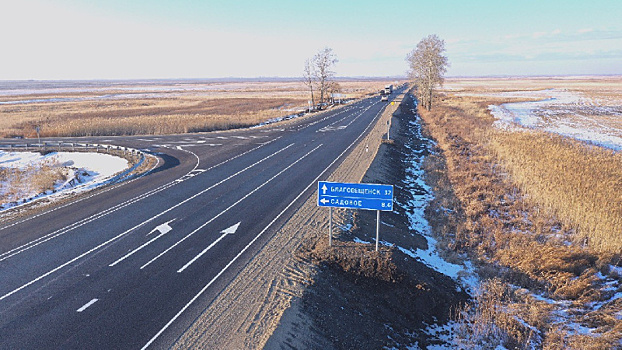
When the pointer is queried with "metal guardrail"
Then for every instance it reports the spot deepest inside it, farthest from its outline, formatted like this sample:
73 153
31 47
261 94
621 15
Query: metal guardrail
82 147
67 146
137 160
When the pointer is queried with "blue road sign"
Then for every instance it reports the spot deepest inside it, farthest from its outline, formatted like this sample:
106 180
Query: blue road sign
355 196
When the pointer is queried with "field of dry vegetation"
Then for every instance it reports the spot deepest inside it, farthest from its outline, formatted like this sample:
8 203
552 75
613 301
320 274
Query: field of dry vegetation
538 213
18 183
157 108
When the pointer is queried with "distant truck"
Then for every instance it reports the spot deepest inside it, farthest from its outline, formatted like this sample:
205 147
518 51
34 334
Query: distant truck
386 92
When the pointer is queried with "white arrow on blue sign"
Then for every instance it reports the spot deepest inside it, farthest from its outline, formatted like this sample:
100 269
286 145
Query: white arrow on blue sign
355 196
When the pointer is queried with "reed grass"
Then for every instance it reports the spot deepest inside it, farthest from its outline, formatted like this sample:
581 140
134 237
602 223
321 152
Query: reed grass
520 205
208 107
582 185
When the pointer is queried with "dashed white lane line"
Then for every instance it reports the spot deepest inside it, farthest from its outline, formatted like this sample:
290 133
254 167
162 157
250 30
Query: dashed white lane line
164 229
236 203
224 211
87 305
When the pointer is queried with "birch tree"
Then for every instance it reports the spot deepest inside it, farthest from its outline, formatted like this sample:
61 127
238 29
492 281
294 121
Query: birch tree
324 61
428 64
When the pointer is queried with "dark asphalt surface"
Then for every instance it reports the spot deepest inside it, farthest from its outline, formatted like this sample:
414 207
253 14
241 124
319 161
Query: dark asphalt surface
133 265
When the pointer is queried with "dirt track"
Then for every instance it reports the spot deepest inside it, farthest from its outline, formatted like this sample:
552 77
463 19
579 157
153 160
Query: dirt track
247 312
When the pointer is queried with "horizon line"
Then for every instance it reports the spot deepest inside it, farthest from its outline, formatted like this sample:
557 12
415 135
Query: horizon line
284 78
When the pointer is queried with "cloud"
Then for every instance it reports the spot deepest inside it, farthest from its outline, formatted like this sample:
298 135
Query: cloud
543 56
556 51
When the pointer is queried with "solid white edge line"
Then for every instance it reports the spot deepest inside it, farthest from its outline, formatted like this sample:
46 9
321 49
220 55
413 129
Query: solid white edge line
81 199
168 324
86 220
86 306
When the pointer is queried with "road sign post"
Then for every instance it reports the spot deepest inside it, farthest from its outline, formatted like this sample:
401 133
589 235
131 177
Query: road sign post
330 226
377 228
355 196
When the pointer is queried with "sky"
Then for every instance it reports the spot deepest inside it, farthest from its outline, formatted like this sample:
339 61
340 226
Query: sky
171 39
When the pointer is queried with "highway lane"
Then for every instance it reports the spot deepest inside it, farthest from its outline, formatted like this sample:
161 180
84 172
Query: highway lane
141 273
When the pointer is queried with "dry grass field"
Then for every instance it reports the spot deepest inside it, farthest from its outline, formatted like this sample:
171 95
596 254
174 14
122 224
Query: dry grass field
18 183
539 212
155 107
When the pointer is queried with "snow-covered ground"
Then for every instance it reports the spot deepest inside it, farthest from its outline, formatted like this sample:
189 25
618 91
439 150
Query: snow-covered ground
421 195
565 113
84 171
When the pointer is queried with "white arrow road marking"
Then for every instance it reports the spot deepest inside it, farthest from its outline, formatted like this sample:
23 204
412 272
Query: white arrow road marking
86 306
164 229
229 208
229 231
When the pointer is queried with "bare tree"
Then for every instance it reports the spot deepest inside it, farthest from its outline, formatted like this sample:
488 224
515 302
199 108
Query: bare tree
324 62
427 67
309 77
333 88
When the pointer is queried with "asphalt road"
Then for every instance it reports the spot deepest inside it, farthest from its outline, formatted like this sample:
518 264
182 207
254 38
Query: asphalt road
133 265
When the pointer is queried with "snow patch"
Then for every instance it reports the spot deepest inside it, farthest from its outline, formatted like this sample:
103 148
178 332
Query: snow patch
431 258
85 171
420 196
358 240
278 119
442 333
